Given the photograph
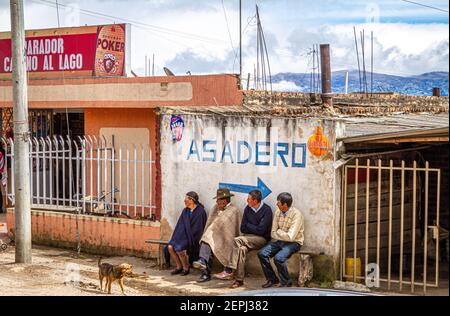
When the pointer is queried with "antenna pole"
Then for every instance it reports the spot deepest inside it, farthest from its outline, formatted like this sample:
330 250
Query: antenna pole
371 66
240 42
146 64
314 70
153 65
346 82
363 48
357 56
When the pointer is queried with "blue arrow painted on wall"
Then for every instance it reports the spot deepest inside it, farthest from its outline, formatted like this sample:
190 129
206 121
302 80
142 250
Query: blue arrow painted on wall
261 186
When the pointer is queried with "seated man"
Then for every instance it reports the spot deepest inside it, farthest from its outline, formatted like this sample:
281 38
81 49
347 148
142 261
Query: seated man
255 229
220 230
184 245
287 238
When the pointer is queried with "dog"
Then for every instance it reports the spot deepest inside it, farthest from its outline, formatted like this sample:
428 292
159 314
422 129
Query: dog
112 273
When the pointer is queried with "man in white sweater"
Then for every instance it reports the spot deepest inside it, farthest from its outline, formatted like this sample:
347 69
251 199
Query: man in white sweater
287 238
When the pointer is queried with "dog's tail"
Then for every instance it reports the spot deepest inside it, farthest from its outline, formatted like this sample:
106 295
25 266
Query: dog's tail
99 261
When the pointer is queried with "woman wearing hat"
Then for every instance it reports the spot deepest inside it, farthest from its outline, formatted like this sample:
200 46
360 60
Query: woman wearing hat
185 242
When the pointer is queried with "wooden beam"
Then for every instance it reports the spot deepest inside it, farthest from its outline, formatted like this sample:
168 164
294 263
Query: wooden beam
440 132
432 139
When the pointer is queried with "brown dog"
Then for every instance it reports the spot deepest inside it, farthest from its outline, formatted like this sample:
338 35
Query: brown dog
112 273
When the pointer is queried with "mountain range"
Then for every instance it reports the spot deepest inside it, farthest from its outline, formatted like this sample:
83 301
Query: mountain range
421 85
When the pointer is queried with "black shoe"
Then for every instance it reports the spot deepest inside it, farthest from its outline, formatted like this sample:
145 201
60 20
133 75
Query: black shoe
185 272
176 271
204 278
270 283
286 285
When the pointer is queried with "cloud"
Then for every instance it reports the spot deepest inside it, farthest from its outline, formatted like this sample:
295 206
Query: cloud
398 48
197 64
342 11
193 35
286 86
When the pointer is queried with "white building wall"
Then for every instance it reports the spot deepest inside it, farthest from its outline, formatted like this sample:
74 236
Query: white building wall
195 164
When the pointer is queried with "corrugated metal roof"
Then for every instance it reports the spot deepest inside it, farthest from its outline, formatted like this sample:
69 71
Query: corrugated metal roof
359 120
358 126
258 110
437 134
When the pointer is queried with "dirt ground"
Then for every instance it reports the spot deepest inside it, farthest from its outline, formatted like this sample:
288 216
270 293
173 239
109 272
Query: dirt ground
60 272
54 272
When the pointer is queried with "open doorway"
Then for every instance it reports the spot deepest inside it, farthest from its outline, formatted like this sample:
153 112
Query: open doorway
68 123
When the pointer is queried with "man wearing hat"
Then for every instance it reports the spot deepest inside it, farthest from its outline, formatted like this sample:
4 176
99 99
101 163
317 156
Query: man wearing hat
220 230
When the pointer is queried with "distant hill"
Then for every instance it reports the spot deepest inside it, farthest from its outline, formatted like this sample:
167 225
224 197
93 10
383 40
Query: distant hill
414 85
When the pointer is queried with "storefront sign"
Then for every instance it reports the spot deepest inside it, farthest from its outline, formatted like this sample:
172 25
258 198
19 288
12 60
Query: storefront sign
70 52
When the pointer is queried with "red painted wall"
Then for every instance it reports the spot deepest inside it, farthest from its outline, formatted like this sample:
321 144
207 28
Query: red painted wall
99 235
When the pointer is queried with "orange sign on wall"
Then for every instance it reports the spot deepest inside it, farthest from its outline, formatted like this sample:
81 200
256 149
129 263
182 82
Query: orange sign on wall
318 144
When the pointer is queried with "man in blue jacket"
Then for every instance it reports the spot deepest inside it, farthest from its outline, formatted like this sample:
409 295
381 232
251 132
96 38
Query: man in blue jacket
255 228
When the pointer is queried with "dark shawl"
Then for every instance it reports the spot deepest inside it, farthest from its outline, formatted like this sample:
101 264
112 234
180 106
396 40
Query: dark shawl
189 231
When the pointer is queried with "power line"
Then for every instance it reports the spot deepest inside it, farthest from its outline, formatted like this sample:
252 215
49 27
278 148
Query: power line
137 23
154 33
229 34
57 13
251 21
426 6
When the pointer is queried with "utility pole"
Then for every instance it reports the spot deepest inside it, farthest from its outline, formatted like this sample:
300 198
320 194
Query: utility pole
240 43
21 135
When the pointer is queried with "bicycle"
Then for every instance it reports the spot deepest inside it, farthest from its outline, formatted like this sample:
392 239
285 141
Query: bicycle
98 206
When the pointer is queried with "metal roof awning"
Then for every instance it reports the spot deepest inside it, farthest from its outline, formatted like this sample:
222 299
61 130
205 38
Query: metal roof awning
409 136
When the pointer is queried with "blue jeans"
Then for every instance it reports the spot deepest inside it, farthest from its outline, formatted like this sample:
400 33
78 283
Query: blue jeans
282 251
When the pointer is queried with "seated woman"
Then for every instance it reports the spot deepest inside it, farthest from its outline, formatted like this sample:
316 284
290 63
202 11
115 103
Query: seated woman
185 242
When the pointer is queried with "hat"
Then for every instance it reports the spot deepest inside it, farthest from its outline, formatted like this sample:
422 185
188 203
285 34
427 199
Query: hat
222 194
193 196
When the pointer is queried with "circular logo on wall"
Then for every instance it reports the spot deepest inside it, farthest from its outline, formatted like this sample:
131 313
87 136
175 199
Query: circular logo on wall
318 144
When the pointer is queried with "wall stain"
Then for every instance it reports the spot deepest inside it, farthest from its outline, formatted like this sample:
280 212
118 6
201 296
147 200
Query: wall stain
165 230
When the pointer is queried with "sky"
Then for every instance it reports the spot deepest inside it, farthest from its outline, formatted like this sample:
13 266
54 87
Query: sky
202 36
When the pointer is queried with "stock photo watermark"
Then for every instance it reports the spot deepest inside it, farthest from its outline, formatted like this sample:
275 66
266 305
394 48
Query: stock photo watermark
373 13
373 275
72 274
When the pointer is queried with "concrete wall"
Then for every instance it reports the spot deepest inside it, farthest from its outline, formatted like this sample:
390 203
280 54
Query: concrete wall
207 155
98 235
142 92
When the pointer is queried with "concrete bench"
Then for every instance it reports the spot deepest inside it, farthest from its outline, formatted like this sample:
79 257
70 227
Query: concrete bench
300 265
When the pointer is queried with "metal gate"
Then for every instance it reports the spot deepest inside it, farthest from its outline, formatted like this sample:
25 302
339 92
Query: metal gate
88 175
390 229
